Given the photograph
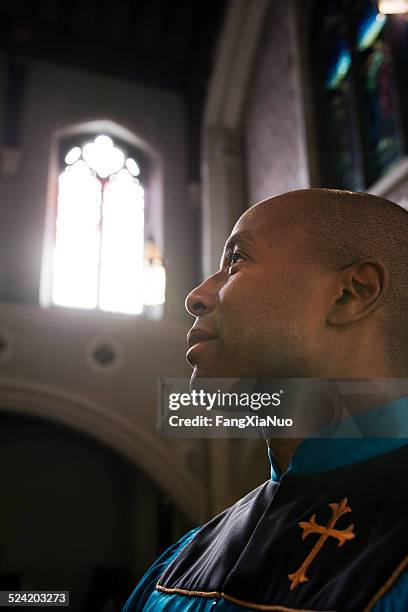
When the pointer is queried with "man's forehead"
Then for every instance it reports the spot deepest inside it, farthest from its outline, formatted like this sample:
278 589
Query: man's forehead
282 206
268 226
246 227
258 237
253 216
267 211
253 223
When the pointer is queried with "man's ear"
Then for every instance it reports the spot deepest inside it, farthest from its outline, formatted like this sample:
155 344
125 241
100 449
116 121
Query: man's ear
360 291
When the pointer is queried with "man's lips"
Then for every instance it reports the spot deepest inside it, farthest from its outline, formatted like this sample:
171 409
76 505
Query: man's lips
197 335
195 339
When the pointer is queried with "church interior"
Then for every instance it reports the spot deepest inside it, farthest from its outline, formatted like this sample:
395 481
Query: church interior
172 117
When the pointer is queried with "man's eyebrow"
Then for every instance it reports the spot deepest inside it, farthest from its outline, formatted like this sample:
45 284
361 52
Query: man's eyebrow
239 238
242 237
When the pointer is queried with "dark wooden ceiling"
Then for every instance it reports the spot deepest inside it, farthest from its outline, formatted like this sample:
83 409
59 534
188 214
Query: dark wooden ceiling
159 42
162 43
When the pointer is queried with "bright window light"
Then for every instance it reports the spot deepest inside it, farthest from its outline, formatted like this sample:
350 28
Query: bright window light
103 157
73 155
122 246
154 285
132 166
99 248
154 275
76 254
393 7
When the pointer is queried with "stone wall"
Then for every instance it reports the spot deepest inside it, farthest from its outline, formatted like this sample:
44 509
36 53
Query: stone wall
274 132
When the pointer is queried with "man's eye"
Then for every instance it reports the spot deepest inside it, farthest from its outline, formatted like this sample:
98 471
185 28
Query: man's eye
235 258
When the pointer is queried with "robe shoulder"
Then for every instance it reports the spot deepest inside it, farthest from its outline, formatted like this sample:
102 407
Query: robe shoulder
147 583
138 599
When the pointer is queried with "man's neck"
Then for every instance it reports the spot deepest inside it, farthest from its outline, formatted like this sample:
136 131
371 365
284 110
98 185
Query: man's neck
355 396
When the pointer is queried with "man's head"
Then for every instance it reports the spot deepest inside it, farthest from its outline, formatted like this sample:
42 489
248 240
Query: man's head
312 283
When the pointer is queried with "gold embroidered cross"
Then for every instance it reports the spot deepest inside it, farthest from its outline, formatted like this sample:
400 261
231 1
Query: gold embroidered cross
326 531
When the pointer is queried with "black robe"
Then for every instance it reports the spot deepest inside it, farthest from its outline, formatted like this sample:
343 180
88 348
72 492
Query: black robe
253 553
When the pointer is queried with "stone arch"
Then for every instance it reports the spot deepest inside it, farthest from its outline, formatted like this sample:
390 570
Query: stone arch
115 431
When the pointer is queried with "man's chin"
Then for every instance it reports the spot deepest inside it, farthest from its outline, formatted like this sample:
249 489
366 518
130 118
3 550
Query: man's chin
200 373
193 377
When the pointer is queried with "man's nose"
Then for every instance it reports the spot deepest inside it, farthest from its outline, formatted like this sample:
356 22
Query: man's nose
202 299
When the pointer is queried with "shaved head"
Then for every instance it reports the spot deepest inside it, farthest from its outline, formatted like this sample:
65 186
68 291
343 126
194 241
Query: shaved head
347 227
312 284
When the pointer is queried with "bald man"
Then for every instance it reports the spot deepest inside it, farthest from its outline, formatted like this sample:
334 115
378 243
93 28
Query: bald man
312 284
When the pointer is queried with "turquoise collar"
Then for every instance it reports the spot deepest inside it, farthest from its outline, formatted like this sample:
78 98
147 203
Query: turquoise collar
366 435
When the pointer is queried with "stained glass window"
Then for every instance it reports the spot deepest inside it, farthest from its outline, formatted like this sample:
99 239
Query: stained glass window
99 243
357 100
344 162
379 98
339 146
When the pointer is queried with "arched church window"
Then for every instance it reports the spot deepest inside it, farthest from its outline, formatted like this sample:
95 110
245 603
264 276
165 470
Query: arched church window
360 132
101 259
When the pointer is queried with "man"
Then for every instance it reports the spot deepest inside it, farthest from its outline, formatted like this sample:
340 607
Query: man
312 284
